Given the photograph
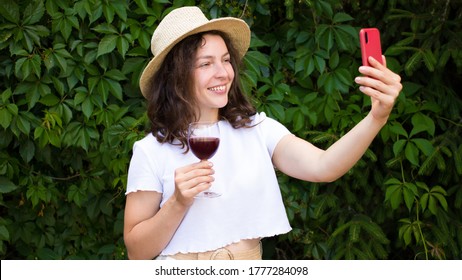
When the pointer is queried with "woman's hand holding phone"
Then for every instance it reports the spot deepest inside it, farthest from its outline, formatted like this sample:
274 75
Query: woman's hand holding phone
378 82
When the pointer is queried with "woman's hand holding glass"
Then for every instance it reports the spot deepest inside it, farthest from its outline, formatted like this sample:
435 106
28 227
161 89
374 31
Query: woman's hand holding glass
192 179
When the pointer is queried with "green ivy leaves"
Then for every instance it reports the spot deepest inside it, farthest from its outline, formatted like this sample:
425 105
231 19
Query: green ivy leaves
361 225
414 146
30 32
415 192
64 75
70 111
419 199
113 39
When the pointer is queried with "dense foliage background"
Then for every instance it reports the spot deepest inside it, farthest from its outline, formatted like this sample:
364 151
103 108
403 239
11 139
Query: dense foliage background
70 110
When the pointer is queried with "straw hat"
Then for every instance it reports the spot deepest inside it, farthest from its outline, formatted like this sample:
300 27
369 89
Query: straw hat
185 21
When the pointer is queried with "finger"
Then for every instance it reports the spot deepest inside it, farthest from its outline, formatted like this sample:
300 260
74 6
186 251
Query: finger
201 164
384 59
377 64
374 87
194 173
191 170
188 190
380 67
375 77
191 176
385 99
192 192
185 185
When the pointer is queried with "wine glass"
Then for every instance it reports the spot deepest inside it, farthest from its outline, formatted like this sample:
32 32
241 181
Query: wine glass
203 140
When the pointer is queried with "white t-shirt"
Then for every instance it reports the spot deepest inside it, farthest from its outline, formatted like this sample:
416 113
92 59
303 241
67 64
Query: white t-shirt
250 206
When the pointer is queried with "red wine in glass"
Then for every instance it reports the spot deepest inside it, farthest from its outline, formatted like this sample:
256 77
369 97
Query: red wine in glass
203 140
204 147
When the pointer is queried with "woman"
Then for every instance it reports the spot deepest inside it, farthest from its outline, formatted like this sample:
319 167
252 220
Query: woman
193 77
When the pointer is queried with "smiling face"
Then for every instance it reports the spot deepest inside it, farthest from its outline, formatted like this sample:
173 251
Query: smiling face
213 75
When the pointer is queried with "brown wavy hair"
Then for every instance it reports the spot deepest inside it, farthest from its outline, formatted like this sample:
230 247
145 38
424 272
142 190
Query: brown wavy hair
172 102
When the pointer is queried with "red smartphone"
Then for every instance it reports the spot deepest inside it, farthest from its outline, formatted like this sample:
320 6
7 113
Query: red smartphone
369 40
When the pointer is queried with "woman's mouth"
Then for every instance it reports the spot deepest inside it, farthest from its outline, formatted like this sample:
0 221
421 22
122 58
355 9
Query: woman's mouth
218 89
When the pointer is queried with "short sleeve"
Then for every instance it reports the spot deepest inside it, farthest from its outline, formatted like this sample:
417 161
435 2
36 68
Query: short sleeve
272 131
142 171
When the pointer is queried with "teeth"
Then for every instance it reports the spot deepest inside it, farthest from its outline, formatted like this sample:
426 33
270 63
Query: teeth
220 88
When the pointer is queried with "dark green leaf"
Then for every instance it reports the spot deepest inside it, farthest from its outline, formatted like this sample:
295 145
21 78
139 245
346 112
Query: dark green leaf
115 89
27 151
9 9
47 254
409 194
413 62
107 249
49 100
5 117
412 153
424 145
430 60
122 45
398 147
4 233
394 195
442 200
255 60
421 123
105 28
6 185
355 230
341 17
277 110
87 107
107 44
398 129
23 124
33 12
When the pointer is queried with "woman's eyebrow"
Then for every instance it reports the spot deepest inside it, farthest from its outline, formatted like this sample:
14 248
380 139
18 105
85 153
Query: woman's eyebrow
211 56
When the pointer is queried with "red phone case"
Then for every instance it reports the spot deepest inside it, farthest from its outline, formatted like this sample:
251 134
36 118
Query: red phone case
369 39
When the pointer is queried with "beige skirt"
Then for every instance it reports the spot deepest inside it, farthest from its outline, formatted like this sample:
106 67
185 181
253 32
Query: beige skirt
219 254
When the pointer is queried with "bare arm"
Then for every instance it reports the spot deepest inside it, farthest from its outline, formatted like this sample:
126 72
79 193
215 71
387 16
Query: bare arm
147 227
300 159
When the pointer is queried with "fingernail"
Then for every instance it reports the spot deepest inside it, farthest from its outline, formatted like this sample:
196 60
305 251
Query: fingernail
357 79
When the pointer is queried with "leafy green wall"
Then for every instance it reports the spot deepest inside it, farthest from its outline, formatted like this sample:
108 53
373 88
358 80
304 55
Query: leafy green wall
70 110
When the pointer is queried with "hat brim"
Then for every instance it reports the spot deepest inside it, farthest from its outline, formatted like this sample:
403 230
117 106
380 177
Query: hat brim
237 30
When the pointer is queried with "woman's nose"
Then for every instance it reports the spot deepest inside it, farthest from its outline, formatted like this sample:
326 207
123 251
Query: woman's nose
221 70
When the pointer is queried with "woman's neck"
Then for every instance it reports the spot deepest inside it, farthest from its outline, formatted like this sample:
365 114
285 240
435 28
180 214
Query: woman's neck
211 116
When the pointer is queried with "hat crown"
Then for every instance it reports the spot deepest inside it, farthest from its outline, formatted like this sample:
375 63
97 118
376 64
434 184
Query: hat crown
177 23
